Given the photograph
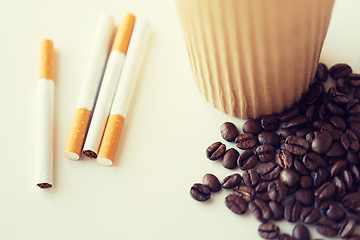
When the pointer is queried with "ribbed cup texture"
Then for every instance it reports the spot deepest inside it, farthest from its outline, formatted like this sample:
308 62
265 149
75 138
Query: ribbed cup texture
254 57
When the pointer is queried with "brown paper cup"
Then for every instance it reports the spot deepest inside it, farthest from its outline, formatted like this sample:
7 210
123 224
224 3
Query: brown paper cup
254 57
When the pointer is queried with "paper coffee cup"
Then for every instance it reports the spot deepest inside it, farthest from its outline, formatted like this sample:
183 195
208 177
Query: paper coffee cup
254 57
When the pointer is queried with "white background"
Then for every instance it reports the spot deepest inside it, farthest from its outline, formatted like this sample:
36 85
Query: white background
145 195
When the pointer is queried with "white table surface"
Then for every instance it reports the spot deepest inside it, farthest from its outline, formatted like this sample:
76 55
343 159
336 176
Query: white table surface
145 195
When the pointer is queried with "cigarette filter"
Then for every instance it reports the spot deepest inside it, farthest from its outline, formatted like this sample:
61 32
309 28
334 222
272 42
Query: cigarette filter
45 116
90 86
123 93
108 86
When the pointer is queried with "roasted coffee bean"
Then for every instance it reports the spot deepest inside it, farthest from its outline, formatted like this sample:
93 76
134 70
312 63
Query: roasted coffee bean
306 182
310 215
322 72
322 204
327 227
265 152
250 177
301 132
300 167
305 196
289 114
355 173
277 210
353 107
350 141
285 132
354 79
252 126
342 85
229 131
269 171
200 192
351 202
215 151
245 192
300 232
289 177
335 212
292 210
284 159
323 112
333 131
354 237
352 158
292 190
285 236
321 143
231 181
282 145
320 176
347 228
310 137
336 150
325 191
337 168
260 210
340 70
317 125
236 204
313 94
296 145
334 109
346 176
247 160
310 112
312 161
337 97
269 230
271 138
270 123
338 122
340 186
277 191
355 128
212 182
296 122
246 141
357 93
261 191
230 158
352 118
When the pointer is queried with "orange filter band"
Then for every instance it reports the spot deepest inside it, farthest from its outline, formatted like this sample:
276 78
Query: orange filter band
46 67
111 137
123 33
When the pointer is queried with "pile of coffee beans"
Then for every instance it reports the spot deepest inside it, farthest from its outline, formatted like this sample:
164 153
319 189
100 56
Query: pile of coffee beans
302 165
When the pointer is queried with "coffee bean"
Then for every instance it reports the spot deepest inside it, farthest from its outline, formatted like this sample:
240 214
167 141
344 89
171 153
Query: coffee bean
296 145
247 160
337 97
271 138
260 210
352 157
215 151
347 228
313 94
269 230
354 237
310 215
342 85
336 150
306 182
270 123
292 190
296 122
340 186
285 132
322 72
231 181
300 167
351 202
261 191
200 192
250 177
229 131
317 125
292 210
230 158
325 191
350 141
269 171
289 177
355 173
289 114
338 122
357 93
337 168
333 131
284 159
352 118
323 112
340 70
277 191
305 196
277 210
312 161
285 236
236 204
346 176
245 192
322 204
302 132
311 112
354 79
327 227
252 126
246 141
300 232
355 128
265 152
335 212
334 109
212 182
321 143
320 176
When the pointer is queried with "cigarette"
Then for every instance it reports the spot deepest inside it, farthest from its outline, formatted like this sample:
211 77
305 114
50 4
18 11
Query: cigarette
123 93
108 86
45 116
90 87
